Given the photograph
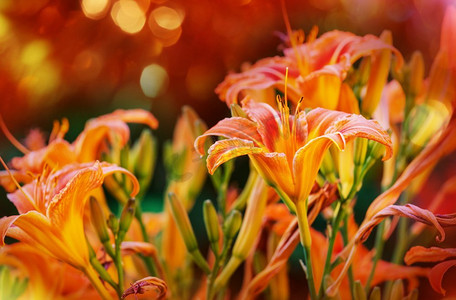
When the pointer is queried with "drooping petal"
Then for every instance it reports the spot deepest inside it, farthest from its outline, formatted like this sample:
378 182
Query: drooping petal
235 127
437 273
439 147
410 211
90 142
224 150
432 254
139 116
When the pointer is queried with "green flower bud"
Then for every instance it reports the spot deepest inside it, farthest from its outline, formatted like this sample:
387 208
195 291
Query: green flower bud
113 223
232 224
128 213
212 224
99 220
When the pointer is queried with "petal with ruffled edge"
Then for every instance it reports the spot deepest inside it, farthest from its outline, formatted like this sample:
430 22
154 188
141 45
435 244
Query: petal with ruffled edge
235 127
224 150
432 254
89 143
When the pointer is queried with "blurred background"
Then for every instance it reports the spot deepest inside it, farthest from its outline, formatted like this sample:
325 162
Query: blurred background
80 59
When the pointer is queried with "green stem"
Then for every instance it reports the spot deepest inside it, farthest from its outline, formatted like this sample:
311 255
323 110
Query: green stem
118 263
306 241
96 283
351 277
151 268
335 228
379 243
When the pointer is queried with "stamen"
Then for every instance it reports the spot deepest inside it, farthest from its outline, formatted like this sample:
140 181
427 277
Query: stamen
55 131
27 196
11 138
301 67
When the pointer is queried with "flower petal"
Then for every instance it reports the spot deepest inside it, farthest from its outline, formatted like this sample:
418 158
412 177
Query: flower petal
268 121
410 211
235 127
432 254
307 161
436 275
224 150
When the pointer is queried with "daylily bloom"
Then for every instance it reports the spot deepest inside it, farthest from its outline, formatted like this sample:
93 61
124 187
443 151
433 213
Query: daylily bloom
317 70
86 148
29 262
433 254
287 150
51 212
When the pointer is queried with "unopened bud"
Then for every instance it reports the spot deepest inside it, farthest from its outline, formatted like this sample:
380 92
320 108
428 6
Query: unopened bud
397 291
113 223
358 292
186 231
425 122
232 224
128 213
211 223
360 151
375 150
99 220
327 167
416 69
183 222
236 111
364 70
378 76
375 294
144 156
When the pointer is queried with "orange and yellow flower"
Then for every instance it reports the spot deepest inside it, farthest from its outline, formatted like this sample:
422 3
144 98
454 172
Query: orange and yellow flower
287 150
317 70
51 212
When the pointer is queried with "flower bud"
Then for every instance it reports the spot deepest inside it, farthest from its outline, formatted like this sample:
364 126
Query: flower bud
212 224
416 69
327 168
359 293
183 222
425 122
186 231
128 213
232 224
113 223
375 294
378 76
99 220
360 151
144 155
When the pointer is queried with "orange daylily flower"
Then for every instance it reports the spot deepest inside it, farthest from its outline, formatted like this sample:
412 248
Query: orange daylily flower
317 70
433 254
30 262
86 148
287 150
51 210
